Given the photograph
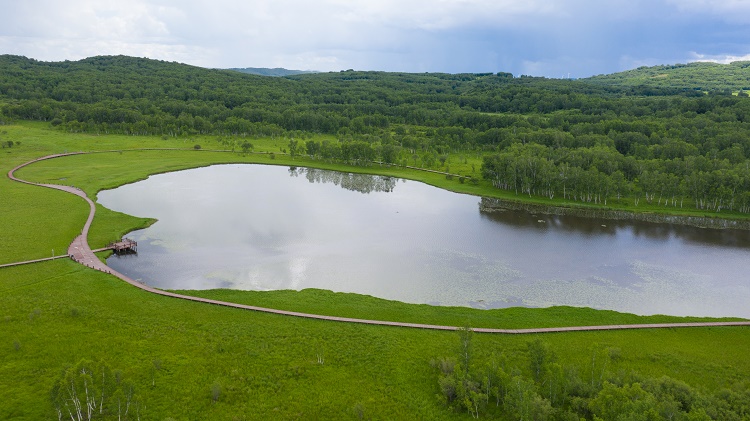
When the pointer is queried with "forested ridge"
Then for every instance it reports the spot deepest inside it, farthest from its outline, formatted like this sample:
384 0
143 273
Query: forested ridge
702 76
588 141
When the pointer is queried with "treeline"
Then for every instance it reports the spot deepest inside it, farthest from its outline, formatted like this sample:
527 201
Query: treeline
139 96
703 76
597 174
549 389
586 141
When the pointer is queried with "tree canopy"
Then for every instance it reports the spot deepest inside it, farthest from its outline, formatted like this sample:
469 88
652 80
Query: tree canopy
593 140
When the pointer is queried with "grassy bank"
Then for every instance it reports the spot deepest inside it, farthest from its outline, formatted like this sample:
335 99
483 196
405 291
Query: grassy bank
194 361
357 306
267 366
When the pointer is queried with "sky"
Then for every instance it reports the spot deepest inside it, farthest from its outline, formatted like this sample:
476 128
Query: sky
552 38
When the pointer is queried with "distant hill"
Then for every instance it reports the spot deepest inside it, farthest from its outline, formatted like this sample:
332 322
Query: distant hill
277 72
699 76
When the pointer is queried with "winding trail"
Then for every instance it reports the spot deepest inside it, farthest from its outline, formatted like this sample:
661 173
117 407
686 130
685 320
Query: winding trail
80 251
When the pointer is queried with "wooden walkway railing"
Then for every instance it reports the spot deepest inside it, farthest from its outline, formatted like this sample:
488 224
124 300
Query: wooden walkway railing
80 251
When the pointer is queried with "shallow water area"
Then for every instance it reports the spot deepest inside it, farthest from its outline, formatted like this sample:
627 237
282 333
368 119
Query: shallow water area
255 227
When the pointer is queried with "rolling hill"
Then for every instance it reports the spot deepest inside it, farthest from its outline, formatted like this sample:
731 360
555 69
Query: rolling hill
701 76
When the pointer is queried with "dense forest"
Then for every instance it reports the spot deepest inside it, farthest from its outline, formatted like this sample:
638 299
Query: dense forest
593 141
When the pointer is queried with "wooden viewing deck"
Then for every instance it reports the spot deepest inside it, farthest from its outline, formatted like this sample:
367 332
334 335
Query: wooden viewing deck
80 251
126 245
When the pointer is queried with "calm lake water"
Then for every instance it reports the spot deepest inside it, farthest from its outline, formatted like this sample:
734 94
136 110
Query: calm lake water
255 227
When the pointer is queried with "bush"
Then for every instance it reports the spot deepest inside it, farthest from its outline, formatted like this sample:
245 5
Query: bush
215 391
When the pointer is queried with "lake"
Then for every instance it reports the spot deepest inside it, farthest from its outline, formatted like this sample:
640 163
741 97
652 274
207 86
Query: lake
256 227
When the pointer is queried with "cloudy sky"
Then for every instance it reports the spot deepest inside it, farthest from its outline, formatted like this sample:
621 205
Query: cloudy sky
553 38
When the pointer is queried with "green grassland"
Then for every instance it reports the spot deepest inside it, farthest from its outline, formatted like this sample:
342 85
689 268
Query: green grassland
189 360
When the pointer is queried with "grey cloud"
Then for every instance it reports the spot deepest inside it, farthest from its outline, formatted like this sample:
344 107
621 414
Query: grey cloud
539 37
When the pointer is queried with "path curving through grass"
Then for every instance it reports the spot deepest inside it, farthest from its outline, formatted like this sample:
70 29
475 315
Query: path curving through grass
80 251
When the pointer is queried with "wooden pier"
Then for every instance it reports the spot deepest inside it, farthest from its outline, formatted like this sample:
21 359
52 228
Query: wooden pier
125 246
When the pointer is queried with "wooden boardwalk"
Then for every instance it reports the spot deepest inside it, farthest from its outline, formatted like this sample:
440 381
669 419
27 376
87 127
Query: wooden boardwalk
80 251
28 262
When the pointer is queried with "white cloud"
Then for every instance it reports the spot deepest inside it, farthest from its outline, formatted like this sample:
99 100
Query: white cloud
521 36
53 30
443 14
722 59
104 19
66 49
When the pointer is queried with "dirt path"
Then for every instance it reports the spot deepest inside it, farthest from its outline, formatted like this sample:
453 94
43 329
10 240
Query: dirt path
80 251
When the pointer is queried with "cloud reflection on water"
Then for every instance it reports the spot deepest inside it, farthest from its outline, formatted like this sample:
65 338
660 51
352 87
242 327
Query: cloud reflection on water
265 228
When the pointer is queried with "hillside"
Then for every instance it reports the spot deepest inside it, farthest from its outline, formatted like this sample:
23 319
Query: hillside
701 76
641 148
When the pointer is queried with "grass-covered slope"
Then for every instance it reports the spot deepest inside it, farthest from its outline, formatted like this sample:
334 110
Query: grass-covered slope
178 353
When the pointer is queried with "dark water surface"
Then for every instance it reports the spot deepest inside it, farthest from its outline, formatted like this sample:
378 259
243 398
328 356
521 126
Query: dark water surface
255 227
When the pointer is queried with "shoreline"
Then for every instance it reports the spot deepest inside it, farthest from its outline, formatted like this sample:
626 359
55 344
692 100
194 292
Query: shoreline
490 205
80 252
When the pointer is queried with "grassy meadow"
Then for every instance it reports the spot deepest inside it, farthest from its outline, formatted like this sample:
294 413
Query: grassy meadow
191 361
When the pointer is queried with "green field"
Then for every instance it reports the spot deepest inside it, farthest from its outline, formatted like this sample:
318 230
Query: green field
195 361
